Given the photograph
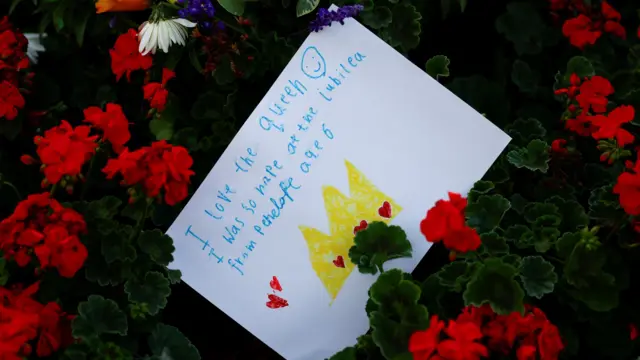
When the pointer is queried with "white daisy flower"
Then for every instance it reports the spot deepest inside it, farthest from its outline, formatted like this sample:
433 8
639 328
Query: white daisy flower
34 46
162 34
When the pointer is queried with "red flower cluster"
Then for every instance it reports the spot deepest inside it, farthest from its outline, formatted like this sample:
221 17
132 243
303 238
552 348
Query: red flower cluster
41 225
628 188
445 221
22 319
113 124
155 92
587 112
461 343
125 57
529 335
156 167
63 150
587 27
13 62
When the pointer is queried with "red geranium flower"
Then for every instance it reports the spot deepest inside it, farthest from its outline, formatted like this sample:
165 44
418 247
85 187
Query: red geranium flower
593 94
609 127
125 56
113 124
63 150
43 226
156 93
628 188
156 167
10 100
445 221
423 343
463 344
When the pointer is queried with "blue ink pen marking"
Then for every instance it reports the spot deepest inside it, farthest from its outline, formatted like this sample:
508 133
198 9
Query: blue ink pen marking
313 64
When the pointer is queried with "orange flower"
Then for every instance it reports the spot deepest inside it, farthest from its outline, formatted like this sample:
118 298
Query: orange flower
121 5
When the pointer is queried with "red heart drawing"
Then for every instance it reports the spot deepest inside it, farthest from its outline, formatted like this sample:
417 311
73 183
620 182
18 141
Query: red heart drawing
385 210
339 262
275 284
276 302
363 225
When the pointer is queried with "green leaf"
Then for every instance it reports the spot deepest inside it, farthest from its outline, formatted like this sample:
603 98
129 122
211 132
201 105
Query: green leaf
161 127
480 187
204 108
438 66
98 316
534 157
544 219
571 212
135 211
404 30
524 77
174 276
187 137
512 259
520 235
486 213
152 291
348 353
157 245
223 74
105 208
523 26
522 131
494 283
393 288
580 66
376 18
13 6
168 343
58 14
80 26
116 245
304 7
454 275
398 313
538 276
566 243
604 206
377 244
494 244
235 7
518 202
542 214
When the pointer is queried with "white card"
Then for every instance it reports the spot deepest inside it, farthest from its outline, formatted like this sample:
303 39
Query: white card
349 124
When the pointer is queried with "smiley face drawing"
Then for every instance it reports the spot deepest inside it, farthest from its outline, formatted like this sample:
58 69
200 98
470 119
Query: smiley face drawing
313 64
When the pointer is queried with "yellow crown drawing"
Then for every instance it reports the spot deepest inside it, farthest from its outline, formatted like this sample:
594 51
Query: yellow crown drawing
344 214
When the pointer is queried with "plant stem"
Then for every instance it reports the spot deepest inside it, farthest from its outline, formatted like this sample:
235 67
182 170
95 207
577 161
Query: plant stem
15 189
53 189
380 268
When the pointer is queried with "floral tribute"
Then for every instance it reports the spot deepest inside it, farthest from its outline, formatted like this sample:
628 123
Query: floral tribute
115 110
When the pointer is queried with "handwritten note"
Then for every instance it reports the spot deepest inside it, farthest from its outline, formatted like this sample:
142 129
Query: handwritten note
351 132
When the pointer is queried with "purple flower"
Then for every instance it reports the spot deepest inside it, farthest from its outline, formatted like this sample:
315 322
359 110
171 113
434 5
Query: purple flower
200 11
325 17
